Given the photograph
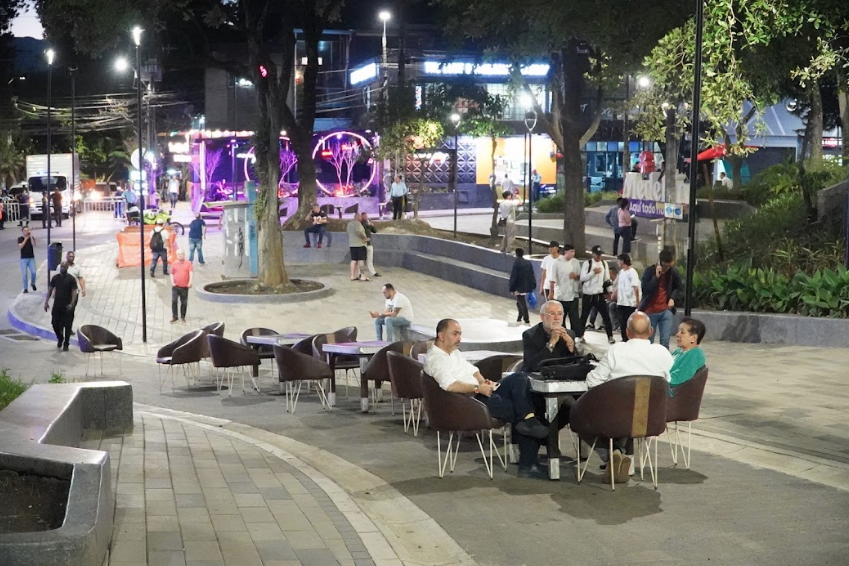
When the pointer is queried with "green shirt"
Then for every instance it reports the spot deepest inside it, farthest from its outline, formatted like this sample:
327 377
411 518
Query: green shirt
685 365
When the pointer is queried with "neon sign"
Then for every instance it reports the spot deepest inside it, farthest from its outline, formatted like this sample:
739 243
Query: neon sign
483 69
364 73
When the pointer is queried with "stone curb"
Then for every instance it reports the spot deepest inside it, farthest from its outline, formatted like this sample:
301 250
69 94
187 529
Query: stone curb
387 521
19 323
326 291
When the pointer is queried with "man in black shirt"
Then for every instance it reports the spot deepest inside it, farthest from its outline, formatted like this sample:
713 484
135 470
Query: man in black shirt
318 218
548 339
64 287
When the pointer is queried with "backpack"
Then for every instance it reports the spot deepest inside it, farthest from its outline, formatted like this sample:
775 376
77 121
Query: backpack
157 244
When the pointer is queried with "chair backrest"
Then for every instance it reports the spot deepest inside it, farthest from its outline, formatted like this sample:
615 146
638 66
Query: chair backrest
453 411
227 354
191 350
216 328
353 209
347 334
377 368
296 366
167 350
515 366
405 373
304 345
90 334
633 407
493 367
259 331
684 405
420 348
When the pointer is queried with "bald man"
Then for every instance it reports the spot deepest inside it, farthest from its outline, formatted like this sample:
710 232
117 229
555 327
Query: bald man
637 356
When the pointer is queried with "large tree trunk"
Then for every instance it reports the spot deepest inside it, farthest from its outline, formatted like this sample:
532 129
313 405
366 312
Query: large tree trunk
574 63
671 156
814 127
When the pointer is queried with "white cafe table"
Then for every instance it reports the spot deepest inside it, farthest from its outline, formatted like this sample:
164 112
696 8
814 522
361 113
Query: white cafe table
364 351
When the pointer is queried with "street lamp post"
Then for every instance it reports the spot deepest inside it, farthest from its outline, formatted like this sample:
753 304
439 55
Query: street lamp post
73 71
455 119
694 158
384 17
530 124
45 208
137 32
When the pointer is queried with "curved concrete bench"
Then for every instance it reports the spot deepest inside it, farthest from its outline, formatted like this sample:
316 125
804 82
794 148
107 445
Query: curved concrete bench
39 434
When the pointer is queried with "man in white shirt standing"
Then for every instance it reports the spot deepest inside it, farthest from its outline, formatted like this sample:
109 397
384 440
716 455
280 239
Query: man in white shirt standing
509 400
507 214
565 285
507 185
637 356
397 314
593 273
545 277
626 294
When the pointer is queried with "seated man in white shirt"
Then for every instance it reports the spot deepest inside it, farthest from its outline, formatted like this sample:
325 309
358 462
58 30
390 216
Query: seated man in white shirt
397 314
509 400
637 356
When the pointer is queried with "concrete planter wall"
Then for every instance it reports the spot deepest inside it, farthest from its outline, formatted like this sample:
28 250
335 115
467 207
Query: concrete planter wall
757 328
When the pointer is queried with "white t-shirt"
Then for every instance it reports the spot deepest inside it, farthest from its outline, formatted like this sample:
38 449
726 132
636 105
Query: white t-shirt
399 301
547 264
450 368
634 357
625 283
507 209
508 185
594 282
566 289
173 186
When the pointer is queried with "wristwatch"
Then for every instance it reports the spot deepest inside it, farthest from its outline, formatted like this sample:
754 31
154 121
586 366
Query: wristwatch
477 390
550 347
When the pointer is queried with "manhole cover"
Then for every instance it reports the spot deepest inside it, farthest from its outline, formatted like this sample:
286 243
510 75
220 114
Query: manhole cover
7 331
22 338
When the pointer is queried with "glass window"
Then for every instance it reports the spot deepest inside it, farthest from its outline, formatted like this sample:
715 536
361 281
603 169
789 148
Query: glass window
612 146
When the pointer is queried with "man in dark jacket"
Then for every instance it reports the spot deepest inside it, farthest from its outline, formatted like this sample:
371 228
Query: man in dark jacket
522 282
548 339
662 291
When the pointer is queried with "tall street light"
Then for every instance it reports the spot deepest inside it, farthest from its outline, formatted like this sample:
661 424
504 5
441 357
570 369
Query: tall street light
73 72
530 124
384 16
455 119
45 208
137 33
694 158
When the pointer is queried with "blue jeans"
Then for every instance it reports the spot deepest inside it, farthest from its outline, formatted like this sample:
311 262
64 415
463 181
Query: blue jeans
154 259
314 229
195 245
661 323
392 324
27 264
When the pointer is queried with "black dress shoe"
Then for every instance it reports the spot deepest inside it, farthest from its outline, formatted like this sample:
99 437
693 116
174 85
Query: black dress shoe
532 427
65 348
532 471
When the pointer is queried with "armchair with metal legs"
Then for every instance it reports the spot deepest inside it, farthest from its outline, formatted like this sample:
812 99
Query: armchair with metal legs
628 407
96 340
186 352
377 369
232 356
684 406
405 374
294 368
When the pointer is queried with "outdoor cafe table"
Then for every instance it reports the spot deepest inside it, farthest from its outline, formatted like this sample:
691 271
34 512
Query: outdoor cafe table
364 351
554 393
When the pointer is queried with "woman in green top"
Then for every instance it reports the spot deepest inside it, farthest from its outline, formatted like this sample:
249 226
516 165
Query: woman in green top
688 358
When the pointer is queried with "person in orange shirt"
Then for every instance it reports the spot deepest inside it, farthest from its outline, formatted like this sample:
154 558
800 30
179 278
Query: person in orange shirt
181 282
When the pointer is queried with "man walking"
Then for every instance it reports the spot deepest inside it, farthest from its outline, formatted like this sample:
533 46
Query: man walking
181 282
23 204
173 193
398 192
26 243
545 277
593 274
662 290
397 313
158 247
56 200
507 214
566 285
75 272
64 287
197 234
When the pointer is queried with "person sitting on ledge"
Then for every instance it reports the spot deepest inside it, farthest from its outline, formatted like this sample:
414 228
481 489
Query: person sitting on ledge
509 400
689 357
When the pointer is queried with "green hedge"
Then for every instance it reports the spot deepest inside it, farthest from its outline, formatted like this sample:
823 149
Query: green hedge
554 203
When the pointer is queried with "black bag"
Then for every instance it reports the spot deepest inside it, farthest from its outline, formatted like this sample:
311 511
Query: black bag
157 244
567 369
502 222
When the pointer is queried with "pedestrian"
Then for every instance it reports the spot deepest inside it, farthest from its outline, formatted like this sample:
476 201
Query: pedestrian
63 287
536 183
181 282
545 277
75 272
197 234
158 247
662 291
132 200
119 202
318 219
627 293
2 216
26 243
522 282
398 192
46 215
507 218
566 286
173 194
623 216
56 201
23 205
358 240
507 184
594 272
370 229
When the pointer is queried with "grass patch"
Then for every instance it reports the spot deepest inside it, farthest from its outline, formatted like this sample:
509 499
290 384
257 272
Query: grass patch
10 388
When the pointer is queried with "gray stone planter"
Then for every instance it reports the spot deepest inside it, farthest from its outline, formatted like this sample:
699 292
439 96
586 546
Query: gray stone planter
205 294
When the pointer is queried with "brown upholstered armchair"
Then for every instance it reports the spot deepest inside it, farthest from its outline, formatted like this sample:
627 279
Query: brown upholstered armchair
377 370
456 413
420 348
232 356
684 406
265 352
187 352
294 368
493 367
337 361
405 373
95 340
216 328
628 407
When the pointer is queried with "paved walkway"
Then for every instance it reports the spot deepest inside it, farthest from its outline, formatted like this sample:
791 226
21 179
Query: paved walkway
357 484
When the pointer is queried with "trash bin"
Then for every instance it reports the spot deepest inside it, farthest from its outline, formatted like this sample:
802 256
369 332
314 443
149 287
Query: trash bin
54 256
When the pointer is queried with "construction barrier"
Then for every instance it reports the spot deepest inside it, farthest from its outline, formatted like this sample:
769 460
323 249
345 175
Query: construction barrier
128 246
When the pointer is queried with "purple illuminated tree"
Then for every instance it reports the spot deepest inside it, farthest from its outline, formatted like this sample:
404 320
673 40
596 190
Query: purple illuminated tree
288 160
343 158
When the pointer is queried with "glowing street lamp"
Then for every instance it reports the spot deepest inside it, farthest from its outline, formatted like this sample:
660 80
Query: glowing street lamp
384 16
